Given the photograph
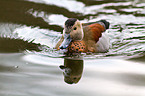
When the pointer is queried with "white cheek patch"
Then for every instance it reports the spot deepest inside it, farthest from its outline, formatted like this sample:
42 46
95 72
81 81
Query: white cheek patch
63 32
82 32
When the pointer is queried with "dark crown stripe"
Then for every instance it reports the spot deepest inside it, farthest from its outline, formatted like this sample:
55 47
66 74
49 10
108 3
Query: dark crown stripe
70 22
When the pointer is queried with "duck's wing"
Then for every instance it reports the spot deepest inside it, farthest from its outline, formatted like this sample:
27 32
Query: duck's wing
94 35
93 30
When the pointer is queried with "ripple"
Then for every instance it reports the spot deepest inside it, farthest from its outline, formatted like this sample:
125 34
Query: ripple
43 36
126 32
75 5
35 26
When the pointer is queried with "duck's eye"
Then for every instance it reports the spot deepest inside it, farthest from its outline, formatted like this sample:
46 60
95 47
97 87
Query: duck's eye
75 28
75 78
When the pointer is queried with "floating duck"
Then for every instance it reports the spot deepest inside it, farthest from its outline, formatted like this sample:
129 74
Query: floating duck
84 37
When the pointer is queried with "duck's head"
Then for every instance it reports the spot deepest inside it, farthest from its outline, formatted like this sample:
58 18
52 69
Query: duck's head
73 31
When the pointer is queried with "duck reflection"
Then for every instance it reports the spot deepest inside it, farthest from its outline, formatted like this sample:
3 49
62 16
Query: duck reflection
72 69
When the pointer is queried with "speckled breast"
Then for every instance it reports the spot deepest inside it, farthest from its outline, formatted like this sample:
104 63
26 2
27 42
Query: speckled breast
77 46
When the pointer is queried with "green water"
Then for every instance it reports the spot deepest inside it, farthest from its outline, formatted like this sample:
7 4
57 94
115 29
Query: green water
29 66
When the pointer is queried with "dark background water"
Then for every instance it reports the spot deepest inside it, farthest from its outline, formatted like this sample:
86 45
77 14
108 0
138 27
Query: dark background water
29 66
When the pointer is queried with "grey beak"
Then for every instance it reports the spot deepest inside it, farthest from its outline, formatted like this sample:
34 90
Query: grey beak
66 41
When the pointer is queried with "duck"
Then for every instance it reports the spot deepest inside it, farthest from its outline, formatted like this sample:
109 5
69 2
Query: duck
84 37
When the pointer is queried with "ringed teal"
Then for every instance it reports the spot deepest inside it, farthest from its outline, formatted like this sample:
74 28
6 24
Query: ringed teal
84 37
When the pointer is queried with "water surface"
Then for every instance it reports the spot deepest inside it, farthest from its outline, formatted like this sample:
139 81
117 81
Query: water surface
29 66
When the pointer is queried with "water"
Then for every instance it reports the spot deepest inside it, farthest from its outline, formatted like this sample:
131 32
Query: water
29 66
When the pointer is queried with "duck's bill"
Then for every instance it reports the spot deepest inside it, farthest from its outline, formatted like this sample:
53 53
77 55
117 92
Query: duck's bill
65 42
